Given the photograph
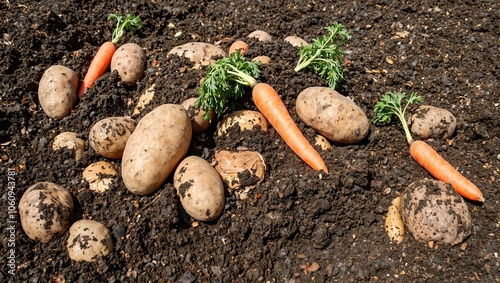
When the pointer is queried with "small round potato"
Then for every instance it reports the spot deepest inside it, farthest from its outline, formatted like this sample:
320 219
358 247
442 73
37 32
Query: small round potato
232 166
88 240
322 142
130 62
45 210
199 125
433 211
296 41
432 122
200 188
100 176
70 141
245 119
261 35
157 145
333 115
109 136
263 60
200 53
57 91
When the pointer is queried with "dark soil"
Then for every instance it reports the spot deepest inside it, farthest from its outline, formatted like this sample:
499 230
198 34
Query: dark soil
295 226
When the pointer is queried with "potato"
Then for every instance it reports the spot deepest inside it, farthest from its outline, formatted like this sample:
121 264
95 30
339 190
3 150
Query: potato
261 35
245 119
57 91
198 124
200 53
88 240
130 62
433 211
264 60
432 122
240 169
322 142
153 150
332 115
144 99
109 136
200 188
100 176
296 41
70 141
45 210
394 226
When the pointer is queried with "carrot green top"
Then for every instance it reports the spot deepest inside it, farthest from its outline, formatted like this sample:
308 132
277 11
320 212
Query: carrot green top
130 22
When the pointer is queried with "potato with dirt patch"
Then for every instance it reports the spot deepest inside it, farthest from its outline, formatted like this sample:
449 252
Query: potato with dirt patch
130 62
109 136
200 53
57 91
432 122
333 115
155 148
245 120
196 115
88 240
433 211
45 210
200 188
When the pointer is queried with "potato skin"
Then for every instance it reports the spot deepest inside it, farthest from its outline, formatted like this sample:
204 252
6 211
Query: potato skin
199 125
200 53
157 145
45 210
130 62
57 91
432 122
200 188
333 115
109 136
88 240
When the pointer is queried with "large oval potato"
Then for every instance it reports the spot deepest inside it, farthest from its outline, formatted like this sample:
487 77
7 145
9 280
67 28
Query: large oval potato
333 115
45 210
200 188
109 136
130 62
57 91
432 122
200 53
157 145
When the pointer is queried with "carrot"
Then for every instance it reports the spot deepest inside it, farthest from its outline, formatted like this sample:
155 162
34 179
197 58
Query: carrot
103 57
238 44
421 152
223 82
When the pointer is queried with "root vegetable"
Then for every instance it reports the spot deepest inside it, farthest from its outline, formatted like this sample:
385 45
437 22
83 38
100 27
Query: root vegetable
200 53
263 60
238 44
71 141
88 240
245 120
109 136
322 142
100 176
45 210
244 169
296 41
130 62
394 226
57 91
198 124
432 122
261 36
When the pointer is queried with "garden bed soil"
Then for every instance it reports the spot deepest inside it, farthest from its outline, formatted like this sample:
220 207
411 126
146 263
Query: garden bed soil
298 225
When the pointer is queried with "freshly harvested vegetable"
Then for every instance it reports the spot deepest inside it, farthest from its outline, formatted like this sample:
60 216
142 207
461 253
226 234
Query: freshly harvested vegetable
198 124
71 141
424 154
100 175
333 115
155 148
88 240
394 226
200 53
432 211
45 210
245 120
432 122
57 91
322 142
263 59
261 36
324 56
296 41
238 44
130 62
200 188
240 169
104 55
109 136
227 80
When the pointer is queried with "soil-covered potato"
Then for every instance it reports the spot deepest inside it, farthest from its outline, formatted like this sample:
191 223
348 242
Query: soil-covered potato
261 35
100 175
262 59
200 188
322 142
57 91
245 120
199 125
200 53
155 148
333 115
130 62
71 141
88 240
240 169
45 210
432 122
109 136
296 41
433 211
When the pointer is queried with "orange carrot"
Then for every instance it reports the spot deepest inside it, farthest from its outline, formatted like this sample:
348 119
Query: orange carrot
270 105
423 153
103 57
238 44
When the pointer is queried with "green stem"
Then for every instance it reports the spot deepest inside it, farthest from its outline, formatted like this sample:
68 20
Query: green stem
244 79
302 64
